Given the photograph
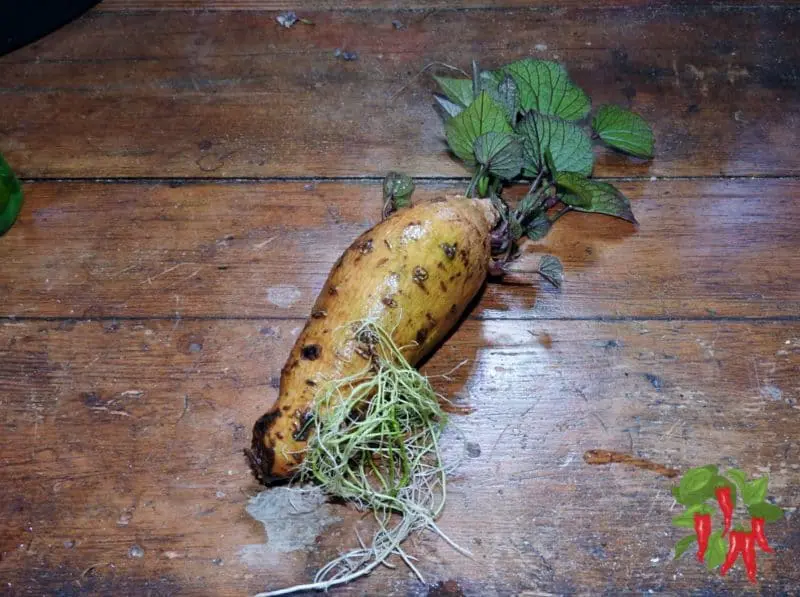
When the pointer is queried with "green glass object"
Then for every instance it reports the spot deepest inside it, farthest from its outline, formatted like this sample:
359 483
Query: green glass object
10 196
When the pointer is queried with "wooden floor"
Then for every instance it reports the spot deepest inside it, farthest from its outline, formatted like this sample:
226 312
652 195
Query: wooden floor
192 171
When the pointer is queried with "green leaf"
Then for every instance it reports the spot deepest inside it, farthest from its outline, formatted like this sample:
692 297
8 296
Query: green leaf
515 228
481 117
716 550
397 188
682 545
697 484
490 79
676 493
501 153
456 90
695 479
546 87
450 108
624 130
11 196
505 93
755 491
550 268
765 510
569 146
596 197
550 163
537 228
738 476
686 518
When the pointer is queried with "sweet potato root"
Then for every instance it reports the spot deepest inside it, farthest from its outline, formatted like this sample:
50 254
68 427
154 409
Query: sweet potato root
413 273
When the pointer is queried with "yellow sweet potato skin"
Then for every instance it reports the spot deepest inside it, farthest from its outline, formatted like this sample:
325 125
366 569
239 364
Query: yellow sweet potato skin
415 272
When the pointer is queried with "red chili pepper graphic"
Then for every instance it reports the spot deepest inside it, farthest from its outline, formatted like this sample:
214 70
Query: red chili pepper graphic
749 556
758 533
736 545
726 506
702 528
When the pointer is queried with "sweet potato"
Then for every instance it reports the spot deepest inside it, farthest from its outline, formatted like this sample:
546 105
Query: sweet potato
414 273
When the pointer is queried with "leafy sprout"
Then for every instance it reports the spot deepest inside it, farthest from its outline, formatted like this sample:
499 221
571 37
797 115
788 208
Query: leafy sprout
534 106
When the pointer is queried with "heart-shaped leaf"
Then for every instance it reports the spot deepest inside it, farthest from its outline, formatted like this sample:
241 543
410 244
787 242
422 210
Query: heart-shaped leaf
546 87
456 90
624 130
538 227
569 146
10 196
551 269
482 116
504 92
599 197
500 153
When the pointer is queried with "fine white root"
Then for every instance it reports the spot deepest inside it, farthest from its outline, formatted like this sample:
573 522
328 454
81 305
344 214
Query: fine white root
375 444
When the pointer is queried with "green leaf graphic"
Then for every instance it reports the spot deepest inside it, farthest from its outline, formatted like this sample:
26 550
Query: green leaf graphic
546 87
716 550
569 146
738 477
481 117
755 491
686 518
599 197
624 130
684 544
769 512
456 90
500 153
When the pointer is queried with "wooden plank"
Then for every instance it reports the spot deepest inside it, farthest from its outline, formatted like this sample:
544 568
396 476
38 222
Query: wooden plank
704 248
125 434
393 5
232 94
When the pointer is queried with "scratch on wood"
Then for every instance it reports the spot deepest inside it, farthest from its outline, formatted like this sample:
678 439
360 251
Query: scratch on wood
121 413
185 408
516 420
166 271
265 243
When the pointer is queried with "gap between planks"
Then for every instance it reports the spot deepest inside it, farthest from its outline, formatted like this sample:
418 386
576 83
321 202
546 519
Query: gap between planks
367 179
623 319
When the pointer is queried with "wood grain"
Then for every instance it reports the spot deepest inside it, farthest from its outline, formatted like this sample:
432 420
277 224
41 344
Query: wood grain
704 248
232 94
393 5
130 433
